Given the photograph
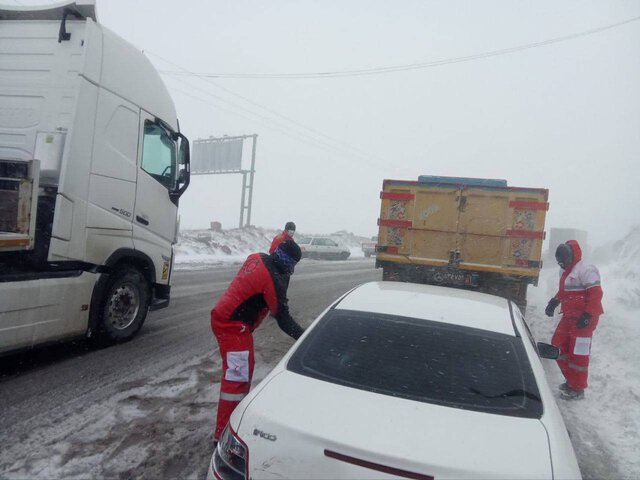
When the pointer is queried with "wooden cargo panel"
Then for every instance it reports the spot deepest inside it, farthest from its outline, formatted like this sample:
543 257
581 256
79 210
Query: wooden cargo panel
436 209
432 245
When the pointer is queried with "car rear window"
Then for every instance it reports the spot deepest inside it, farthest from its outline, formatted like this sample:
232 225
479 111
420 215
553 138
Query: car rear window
304 240
421 360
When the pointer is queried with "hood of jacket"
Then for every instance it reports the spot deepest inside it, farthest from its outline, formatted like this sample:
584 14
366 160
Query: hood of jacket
577 253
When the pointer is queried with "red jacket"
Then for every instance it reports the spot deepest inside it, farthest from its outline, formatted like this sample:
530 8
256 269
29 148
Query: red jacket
579 290
257 289
278 239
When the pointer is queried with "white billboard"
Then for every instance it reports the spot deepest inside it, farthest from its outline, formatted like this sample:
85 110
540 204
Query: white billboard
216 155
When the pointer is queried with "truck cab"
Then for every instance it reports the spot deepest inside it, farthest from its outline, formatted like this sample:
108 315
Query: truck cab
92 166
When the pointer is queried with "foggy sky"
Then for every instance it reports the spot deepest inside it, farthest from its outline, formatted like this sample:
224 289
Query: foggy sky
564 117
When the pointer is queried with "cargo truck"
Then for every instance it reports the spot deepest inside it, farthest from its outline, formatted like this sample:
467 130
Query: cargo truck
466 232
92 166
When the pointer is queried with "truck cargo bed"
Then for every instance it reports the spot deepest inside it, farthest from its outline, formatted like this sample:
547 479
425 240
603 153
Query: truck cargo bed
479 227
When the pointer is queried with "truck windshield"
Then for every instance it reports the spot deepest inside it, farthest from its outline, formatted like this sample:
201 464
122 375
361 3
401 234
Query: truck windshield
159 157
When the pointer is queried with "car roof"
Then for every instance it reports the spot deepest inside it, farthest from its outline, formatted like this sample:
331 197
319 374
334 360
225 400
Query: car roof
441 304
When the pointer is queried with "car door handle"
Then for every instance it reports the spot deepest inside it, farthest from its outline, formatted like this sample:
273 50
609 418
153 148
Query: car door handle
142 220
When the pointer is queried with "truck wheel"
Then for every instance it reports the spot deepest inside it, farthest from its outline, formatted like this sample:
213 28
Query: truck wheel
124 306
389 274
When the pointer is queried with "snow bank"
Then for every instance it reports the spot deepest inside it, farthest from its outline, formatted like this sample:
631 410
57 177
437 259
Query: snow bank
208 247
606 424
199 248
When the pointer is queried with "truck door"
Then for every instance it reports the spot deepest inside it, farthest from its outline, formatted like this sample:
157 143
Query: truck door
435 222
482 223
155 214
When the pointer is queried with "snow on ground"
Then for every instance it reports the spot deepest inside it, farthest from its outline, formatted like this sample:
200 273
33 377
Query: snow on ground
112 437
606 424
201 248
177 407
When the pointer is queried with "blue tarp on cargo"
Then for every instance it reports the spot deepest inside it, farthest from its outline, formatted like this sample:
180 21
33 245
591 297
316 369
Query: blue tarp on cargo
488 182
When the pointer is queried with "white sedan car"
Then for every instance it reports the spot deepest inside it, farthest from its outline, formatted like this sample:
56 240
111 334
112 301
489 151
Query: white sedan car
398 380
322 248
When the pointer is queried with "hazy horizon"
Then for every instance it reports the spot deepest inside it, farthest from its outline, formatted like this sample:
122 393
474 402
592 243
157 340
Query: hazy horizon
563 116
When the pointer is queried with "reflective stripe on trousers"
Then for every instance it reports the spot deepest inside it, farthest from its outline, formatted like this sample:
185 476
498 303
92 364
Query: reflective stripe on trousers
574 367
232 397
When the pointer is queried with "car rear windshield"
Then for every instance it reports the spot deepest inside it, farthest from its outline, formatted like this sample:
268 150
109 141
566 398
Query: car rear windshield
304 240
420 360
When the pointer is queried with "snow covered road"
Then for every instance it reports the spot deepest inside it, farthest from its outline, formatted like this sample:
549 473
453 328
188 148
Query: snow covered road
144 409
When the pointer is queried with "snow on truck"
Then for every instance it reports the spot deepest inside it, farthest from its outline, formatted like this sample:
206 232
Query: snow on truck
466 232
92 164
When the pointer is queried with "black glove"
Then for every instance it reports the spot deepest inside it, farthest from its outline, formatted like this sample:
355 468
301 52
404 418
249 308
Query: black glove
583 320
551 306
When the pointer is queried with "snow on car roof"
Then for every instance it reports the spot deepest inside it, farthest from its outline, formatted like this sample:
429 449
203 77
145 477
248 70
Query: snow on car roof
441 304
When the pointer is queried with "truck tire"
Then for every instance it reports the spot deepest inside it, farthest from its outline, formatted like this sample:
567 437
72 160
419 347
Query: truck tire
123 307
514 291
391 274
519 296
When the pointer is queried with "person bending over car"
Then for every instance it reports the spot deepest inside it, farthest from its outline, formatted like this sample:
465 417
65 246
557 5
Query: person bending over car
259 287
580 296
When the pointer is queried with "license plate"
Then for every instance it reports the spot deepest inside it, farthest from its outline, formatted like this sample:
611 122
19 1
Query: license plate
452 278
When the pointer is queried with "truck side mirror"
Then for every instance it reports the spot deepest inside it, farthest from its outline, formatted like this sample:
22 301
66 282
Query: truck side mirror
548 351
184 166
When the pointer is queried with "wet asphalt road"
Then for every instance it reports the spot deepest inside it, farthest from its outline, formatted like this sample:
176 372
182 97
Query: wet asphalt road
144 408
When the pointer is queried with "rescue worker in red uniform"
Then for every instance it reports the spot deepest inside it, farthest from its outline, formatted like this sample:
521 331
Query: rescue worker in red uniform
259 287
580 297
286 234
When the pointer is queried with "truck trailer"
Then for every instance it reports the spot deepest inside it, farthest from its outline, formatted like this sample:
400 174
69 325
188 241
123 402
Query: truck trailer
464 232
92 166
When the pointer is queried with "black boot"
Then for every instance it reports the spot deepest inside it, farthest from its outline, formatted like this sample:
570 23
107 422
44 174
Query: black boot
571 394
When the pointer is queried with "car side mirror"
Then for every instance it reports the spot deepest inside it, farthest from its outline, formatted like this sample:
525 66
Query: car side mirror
548 351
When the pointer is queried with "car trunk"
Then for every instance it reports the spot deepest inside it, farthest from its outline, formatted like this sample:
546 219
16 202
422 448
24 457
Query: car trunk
323 430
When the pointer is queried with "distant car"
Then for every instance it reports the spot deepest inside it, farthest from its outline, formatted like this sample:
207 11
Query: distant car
368 248
322 248
399 380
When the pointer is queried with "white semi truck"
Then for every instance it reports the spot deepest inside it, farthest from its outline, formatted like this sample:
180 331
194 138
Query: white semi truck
92 164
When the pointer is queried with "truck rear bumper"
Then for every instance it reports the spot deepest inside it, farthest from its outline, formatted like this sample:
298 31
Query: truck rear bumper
445 276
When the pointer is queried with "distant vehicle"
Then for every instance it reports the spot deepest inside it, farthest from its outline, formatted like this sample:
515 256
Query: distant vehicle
369 248
322 248
92 166
400 380
468 232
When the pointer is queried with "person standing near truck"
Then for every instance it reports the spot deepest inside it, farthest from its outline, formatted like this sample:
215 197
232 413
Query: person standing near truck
286 234
580 297
259 287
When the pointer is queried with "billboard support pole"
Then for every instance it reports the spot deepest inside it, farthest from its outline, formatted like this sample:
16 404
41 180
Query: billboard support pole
251 173
242 207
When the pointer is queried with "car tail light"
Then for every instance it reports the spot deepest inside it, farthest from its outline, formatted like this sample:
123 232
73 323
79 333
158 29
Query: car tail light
230 459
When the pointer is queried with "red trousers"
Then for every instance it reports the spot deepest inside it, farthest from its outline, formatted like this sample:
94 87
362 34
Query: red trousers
575 350
236 349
